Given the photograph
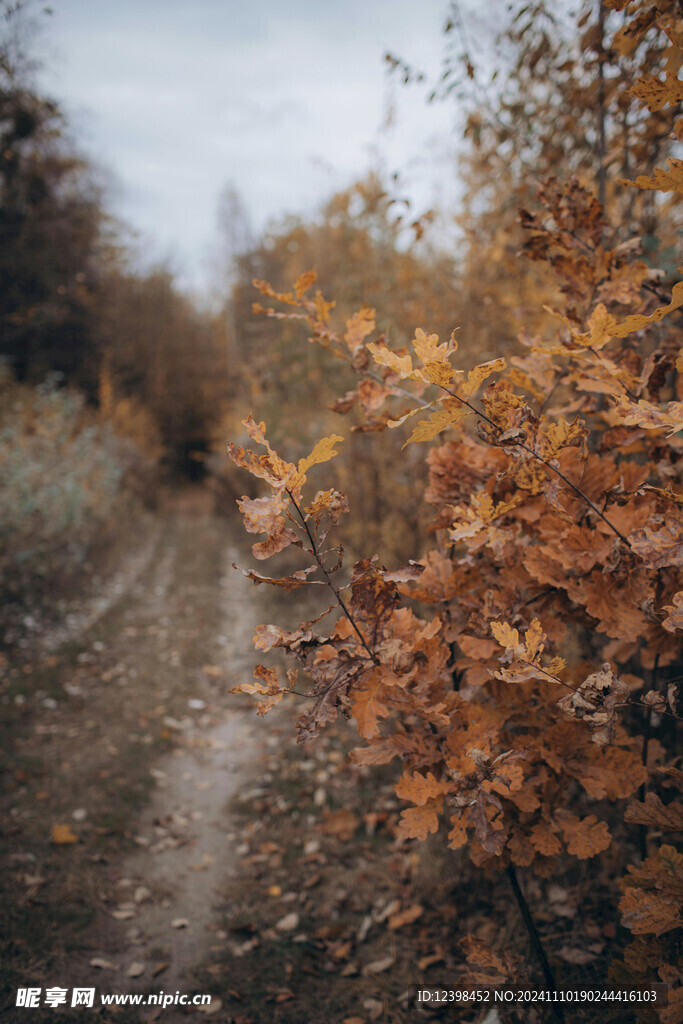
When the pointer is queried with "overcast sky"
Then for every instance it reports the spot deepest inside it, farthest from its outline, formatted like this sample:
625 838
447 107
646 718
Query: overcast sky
286 101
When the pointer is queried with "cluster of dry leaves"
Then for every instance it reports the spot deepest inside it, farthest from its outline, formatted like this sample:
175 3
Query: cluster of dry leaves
525 671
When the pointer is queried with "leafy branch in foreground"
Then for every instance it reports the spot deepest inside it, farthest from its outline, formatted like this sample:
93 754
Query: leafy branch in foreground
522 731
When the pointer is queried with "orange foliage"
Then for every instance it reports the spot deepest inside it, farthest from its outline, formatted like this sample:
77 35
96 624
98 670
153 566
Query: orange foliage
518 701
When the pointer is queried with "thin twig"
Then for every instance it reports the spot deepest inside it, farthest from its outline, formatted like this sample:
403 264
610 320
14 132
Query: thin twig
328 579
536 943
520 444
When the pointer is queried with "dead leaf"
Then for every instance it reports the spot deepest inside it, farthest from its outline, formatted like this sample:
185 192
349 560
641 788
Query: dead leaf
62 835
288 923
180 922
406 916
378 966
213 1007
341 824
576 956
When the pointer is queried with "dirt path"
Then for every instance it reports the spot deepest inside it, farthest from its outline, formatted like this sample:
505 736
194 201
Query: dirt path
124 733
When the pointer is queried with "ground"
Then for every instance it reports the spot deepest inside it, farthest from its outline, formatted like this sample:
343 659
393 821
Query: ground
162 838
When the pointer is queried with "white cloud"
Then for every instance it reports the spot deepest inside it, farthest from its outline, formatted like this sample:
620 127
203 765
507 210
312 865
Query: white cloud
284 101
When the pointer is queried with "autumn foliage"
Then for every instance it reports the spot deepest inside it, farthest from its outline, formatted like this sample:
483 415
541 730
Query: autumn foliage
525 670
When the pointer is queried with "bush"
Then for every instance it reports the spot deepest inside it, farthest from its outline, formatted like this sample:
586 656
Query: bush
66 476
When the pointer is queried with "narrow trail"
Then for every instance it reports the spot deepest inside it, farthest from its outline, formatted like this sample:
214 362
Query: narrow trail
142 750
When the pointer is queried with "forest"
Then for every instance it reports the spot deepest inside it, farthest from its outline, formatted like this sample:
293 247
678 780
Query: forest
426 765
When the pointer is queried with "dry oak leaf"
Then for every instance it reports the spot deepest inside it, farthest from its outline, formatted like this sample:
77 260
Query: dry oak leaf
367 706
266 685
544 840
407 916
601 325
304 282
668 817
419 789
418 822
457 836
63 835
359 326
658 94
322 308
341 824
615 773
479 955
646 913
449 413
596 702
323 451
287 583
585 837
674 619
637 321
477 376
561 434
659 548
661 181
508 638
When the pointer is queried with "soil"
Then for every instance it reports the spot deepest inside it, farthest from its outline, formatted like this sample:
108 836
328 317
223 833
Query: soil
121 737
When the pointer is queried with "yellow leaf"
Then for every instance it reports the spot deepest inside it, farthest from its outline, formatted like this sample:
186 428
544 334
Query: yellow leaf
303 283
658 94
601 325
322 308
62 835
427 347
359 326
407 916
402 365
440 374
449 413
506 636
561 435
324 450
652 417
661 181
534 640
638 320
477 376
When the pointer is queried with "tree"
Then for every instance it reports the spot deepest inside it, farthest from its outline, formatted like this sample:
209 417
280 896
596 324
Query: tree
50 221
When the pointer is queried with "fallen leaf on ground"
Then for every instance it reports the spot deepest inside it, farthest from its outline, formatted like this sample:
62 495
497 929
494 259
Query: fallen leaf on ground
103 965
406 916
288 923
135 970
375 1008
213 1007
576 956
377 966
427 961
180 922
123 914
342 824
62 835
